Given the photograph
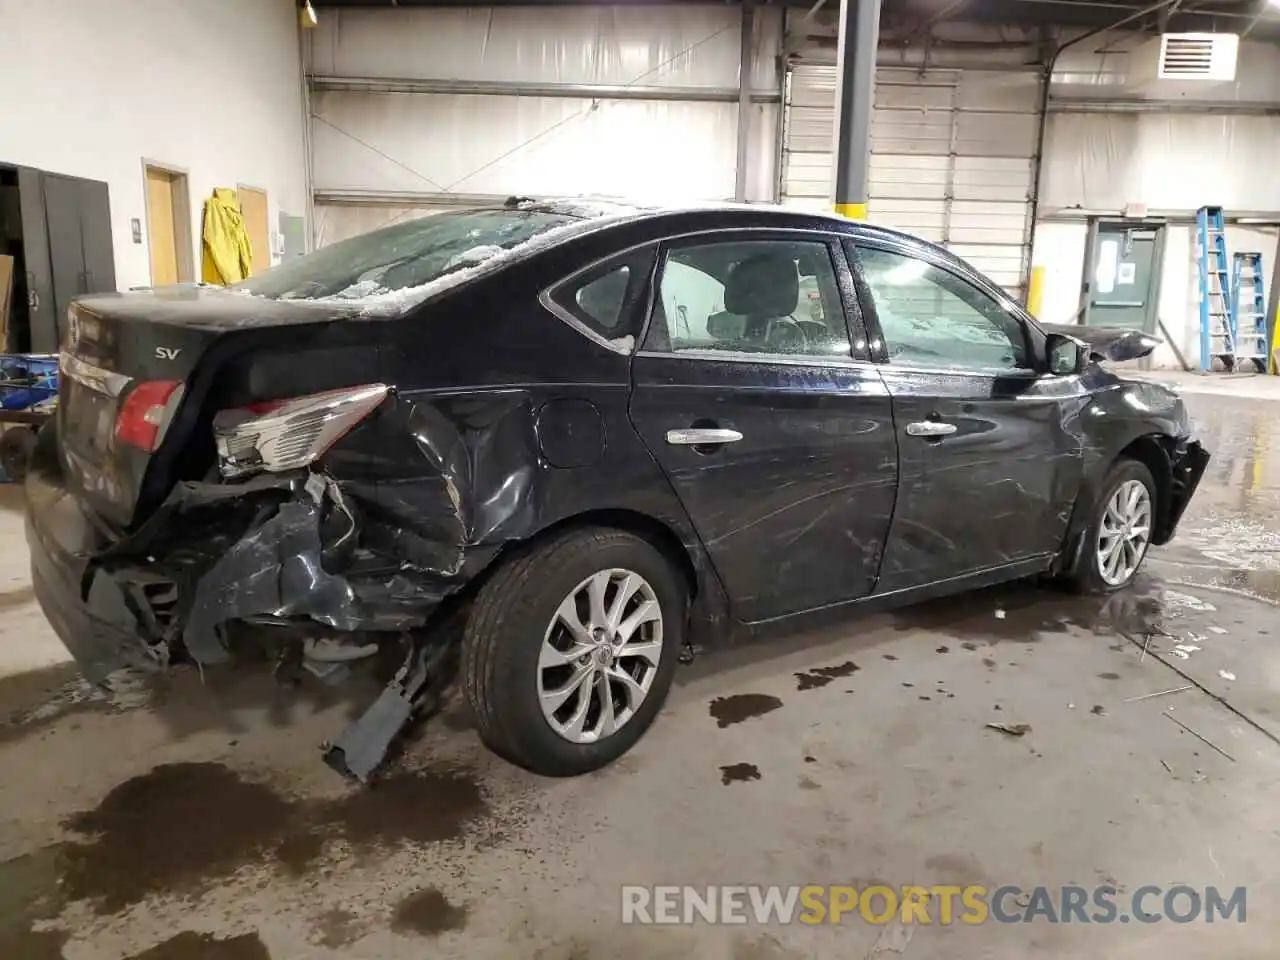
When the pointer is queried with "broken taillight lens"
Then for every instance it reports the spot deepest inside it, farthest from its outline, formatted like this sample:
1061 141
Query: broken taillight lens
288 434
146 411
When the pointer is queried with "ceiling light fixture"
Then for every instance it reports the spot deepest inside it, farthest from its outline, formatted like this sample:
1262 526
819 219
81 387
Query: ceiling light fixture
307 15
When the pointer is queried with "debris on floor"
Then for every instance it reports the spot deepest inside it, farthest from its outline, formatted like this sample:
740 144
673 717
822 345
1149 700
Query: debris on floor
1226 675
1175 599
1201 737
1012 729
1159 693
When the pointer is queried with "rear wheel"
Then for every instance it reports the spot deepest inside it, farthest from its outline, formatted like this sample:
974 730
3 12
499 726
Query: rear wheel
1117 540
570 651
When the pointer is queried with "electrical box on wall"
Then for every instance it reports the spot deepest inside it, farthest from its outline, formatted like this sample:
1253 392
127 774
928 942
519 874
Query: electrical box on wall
1165 62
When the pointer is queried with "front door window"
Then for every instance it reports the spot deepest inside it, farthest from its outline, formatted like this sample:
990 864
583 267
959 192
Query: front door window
931 317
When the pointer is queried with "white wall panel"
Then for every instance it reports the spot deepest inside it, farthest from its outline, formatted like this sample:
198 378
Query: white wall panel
90 89
658 150
502 143
1170 162
1106 70
677 46
340 221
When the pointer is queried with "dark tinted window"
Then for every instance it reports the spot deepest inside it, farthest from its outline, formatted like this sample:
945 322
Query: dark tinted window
605 298
404 255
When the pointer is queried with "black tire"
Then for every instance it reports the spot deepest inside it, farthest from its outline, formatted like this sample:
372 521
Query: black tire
1086 575
504 636
16 446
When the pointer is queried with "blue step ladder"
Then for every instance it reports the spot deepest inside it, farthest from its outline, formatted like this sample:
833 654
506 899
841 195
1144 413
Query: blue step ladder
1217 328
1249 312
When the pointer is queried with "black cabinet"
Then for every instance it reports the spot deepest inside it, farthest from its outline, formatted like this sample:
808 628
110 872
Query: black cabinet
64 250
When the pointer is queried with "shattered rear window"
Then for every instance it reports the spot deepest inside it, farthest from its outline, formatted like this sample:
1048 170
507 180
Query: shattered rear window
403 256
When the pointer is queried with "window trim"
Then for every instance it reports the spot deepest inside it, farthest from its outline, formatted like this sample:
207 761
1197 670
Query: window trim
547 297
850 305
1032 336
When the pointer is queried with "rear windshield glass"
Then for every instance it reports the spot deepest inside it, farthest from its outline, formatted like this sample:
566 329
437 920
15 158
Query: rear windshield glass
404 255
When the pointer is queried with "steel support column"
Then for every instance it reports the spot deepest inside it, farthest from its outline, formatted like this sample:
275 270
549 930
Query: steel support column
856 69
744 98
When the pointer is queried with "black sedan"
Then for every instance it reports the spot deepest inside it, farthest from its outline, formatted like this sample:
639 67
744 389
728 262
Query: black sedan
587 434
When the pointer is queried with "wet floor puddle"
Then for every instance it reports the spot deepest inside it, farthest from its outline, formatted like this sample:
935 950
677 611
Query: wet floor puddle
428 913
205 946
1022 612
819 677
181 828
742 706
739 773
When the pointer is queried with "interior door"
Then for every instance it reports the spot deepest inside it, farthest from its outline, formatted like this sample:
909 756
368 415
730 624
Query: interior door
986 464
778 442
1122 282
162 240
253 207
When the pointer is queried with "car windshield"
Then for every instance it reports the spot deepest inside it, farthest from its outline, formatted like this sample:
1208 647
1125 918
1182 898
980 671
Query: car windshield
404 255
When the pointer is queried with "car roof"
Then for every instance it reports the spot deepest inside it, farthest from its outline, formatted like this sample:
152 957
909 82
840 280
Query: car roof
603 213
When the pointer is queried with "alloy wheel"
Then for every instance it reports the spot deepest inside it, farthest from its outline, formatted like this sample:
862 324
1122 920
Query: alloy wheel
1125 533
599 655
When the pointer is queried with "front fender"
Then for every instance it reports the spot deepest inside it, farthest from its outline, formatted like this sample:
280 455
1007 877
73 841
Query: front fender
1148 422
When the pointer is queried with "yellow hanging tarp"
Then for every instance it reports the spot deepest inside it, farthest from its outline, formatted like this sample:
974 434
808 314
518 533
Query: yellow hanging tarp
228 254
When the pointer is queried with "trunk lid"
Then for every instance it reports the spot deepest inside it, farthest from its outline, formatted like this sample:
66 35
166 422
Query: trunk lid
151 346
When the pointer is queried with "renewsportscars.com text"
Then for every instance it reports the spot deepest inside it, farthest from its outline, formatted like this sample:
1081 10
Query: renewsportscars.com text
937 904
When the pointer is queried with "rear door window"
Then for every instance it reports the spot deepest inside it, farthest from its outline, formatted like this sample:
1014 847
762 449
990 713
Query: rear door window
775 297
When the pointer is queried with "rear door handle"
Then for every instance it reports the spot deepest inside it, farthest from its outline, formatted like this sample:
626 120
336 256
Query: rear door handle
698 436
930 428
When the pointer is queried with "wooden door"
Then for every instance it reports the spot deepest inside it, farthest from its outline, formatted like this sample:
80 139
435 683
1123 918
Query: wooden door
162 236
253 208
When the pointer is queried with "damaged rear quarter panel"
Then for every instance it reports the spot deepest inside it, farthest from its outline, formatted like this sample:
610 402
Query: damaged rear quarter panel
485 445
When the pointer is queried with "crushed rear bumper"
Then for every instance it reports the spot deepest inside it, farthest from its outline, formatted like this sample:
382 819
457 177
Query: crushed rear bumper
275 548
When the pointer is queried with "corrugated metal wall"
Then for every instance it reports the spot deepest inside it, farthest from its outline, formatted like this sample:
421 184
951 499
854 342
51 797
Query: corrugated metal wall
413 108
952 157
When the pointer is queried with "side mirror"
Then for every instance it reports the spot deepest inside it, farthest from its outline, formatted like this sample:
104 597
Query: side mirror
1066 355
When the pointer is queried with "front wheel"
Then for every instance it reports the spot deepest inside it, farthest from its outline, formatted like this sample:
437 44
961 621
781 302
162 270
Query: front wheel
570 651
1117 540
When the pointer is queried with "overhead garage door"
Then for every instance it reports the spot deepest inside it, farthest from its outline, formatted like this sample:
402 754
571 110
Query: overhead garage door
951 157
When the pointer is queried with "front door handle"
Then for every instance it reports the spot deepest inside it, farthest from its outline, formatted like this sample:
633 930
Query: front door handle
700 436
930 428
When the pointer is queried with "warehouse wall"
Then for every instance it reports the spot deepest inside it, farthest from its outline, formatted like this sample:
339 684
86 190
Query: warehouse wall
1114 140
212 87
415 109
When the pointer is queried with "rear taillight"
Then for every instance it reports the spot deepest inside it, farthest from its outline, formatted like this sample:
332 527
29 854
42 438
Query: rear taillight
146 412
288 434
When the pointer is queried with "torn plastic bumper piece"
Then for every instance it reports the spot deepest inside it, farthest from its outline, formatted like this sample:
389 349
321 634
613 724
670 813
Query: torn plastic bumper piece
363 745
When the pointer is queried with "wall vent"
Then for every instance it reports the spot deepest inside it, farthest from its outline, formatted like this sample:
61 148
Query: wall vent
1198 56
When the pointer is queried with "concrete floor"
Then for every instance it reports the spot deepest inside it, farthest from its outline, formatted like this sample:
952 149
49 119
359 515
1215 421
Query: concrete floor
195 821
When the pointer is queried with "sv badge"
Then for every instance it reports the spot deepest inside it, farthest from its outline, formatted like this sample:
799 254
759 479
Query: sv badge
167 353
